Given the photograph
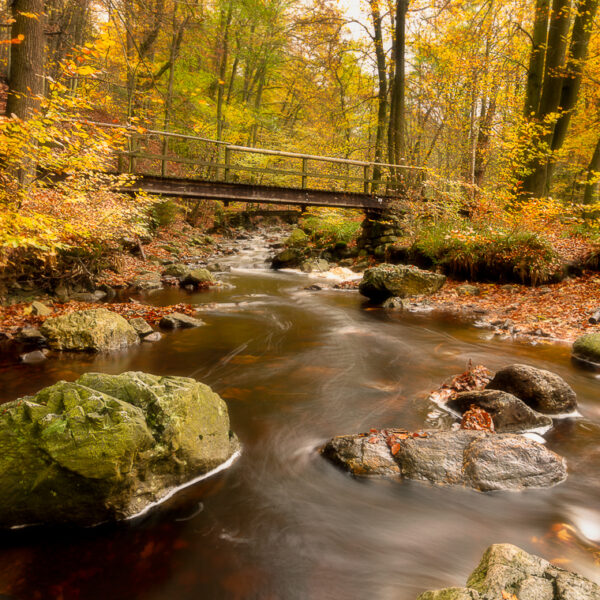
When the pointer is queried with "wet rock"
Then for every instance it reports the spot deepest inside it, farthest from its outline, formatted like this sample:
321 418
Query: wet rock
197 277
315 265
105 447
288 259
31 336
468 290
542 390
32 358
89 296
396 303
40 309
359 455
451 594
109 292
147 281
509 413
506 570
142 328
477 459
176 270
595 318
93 330
179 320
403 281
314 288
587 349
153 337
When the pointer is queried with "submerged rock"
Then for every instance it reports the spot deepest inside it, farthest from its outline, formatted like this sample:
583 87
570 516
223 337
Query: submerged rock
475 459
179 320
403 281
31 336
506 571
93 330
542 390
509 413
105 447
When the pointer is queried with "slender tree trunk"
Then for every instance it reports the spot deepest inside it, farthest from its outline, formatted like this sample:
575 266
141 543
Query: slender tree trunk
226 17
382 95
592 183
397 114
26 77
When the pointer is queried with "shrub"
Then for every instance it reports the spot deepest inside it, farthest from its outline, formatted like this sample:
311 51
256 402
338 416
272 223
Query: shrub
165 213
328 227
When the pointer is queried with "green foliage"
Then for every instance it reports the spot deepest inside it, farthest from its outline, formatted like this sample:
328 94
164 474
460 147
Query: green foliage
326 227
486 252
297 239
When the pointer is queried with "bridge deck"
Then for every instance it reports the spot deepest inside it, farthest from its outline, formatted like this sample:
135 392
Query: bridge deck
244 192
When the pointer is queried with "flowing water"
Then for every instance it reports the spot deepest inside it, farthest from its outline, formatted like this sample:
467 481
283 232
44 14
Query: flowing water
297 367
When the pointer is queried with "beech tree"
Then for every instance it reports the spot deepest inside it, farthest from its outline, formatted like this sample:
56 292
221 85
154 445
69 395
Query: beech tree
26 76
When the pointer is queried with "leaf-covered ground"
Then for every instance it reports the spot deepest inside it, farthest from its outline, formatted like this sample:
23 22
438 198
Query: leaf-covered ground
553 312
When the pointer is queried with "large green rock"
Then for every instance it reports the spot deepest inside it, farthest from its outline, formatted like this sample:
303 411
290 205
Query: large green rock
402 281
297 239
506 570
587 348
94 330
105 447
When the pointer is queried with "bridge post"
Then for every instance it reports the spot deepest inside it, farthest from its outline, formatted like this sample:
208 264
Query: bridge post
227 162
366 179
304 172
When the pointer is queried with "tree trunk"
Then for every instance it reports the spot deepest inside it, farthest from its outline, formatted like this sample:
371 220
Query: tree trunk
535 73
592 183
26 77
382 95
226 16
397 113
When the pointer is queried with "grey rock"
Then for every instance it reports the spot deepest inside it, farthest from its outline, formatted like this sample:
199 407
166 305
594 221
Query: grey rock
315 265
403 281
142 328
468 290
147 281
475 459
153 337
179 320
509 413
40 309
31 335
506 570
396 303
542 390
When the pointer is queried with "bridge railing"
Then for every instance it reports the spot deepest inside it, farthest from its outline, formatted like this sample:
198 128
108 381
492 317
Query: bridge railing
166 154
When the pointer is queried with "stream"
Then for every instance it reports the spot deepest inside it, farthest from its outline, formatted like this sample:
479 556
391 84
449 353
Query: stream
297 367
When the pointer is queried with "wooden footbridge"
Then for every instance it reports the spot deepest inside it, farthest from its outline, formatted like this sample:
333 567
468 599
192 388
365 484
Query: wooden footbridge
192 167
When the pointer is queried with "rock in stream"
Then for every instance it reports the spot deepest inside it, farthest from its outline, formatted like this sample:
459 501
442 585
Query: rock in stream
506 571
105 447
476 459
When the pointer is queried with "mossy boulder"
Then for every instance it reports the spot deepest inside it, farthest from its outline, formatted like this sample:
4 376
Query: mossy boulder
176 270
197 277
105 447
587 349
506 571
402 281
94 330
297 239
288 259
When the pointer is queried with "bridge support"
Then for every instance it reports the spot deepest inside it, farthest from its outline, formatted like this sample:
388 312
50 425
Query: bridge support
380 231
